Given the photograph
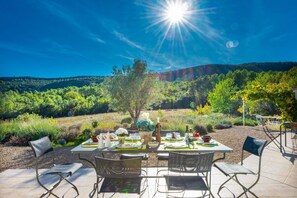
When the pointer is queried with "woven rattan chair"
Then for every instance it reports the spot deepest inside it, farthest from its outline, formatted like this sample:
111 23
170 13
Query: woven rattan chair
122 176
232 170
63 171
188 172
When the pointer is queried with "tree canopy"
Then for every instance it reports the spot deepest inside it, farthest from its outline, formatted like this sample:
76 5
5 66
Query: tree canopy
132 89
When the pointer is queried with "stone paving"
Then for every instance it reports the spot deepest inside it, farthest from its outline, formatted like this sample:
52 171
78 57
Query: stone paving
278 179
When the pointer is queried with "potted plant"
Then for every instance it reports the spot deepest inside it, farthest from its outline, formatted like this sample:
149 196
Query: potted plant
146 127
121 133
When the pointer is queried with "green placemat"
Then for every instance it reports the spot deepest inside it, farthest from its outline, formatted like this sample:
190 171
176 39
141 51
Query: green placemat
172 140
134 141
89 145
207 145
127 149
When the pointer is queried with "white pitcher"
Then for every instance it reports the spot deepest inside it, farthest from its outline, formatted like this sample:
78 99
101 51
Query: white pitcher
107 140
100 141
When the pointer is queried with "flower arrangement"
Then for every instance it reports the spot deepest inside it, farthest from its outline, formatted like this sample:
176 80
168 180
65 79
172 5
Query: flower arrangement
121 132
144 123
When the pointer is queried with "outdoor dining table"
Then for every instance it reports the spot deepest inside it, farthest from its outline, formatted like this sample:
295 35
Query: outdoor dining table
89 147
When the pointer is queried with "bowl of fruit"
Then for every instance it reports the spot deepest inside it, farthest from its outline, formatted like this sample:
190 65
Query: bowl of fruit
206 138
94 139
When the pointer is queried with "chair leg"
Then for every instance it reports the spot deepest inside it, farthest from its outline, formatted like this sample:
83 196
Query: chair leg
74 187
49 191
245 189
222 186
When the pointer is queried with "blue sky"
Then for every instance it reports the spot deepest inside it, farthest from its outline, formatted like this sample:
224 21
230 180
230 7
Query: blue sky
63 38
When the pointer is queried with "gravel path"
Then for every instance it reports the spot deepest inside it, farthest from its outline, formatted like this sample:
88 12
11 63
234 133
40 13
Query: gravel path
22 157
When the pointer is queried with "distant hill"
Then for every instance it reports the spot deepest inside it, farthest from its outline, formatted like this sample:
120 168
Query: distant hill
42 84
192 73
22 84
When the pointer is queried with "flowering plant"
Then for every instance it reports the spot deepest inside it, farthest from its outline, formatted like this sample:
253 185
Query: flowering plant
144 123
121 132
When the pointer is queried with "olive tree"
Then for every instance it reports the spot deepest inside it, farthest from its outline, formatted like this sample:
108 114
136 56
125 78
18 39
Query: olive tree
132 89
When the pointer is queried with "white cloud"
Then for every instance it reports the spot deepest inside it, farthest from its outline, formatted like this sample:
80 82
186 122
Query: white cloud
122 37
100 40
127 57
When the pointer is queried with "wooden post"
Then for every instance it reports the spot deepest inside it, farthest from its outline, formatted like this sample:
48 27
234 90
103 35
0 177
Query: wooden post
159 132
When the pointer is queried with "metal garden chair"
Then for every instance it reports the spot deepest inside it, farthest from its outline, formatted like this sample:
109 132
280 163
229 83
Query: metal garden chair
193 173
43 146
164 156
119 175
232 170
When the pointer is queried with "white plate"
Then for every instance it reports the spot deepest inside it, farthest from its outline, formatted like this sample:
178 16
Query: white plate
176 145
129 145
132 138
174 139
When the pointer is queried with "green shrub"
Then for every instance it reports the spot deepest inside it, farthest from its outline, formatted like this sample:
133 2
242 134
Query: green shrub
27 127
69 136
200 129
248 122
227 122
87 132
95 123
203 110
126 120
28 117
209 128
222 126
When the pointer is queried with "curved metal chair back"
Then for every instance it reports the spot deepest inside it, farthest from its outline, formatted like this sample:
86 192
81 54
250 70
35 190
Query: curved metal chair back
254 146
122 176
190 163
194 173
41 146
125 168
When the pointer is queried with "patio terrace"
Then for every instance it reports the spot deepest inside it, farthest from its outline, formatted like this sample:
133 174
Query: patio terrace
278 179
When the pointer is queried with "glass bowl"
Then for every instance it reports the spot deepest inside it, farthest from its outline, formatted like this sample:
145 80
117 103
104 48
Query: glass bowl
153 144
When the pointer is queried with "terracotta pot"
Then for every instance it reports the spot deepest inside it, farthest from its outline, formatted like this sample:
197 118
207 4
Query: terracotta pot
146 136
94 139
206 138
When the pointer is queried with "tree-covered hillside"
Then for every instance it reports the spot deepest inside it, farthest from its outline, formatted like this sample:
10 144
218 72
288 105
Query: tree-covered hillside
22 84
193 73
265 93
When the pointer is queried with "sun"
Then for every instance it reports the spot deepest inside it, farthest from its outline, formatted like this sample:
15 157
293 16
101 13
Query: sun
175 12
175 21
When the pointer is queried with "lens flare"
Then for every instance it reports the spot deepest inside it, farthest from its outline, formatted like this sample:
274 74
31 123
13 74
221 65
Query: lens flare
175 12
175 22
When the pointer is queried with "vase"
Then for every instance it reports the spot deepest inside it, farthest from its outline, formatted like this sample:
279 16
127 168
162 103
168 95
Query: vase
146 136
121 139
